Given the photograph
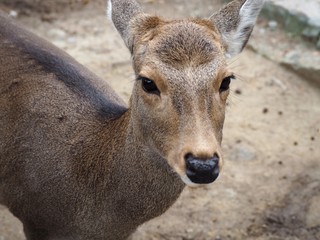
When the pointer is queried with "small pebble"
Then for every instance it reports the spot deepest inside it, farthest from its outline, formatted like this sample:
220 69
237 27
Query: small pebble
13 14
265 110
273 25
238 91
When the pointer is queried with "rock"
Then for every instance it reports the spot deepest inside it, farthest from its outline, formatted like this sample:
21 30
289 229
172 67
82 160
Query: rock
318 44
300 18
304 65
312 34
57 34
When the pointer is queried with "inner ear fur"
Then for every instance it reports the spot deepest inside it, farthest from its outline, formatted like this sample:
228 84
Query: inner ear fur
235 23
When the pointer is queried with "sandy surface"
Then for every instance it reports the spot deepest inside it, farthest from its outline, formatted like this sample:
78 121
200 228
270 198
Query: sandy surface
270 186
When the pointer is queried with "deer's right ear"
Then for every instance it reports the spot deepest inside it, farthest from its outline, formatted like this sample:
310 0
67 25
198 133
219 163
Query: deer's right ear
122 13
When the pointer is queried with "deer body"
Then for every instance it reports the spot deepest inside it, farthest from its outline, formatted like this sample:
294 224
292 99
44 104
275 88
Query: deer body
75 161
67 134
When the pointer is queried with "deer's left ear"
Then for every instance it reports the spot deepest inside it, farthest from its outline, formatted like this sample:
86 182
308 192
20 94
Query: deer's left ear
235 23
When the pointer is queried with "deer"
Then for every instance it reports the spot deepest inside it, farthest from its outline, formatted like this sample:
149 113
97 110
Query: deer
76 161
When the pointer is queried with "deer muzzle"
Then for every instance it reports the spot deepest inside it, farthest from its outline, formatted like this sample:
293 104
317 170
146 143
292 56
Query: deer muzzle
202 171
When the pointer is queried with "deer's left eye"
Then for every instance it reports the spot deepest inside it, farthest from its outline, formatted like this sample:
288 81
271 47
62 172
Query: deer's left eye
225 84
149 86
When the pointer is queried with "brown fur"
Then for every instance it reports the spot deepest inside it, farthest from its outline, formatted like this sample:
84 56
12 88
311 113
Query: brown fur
76 163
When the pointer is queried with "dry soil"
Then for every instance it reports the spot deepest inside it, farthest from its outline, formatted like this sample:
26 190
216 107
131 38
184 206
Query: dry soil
270 186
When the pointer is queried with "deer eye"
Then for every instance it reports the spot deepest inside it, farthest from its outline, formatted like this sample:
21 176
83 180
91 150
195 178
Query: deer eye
226 83
149 86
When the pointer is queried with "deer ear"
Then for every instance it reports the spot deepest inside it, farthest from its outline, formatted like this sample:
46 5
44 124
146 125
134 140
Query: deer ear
122 13
235 23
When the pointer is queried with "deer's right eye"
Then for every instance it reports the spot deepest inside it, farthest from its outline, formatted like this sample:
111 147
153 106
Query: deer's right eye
149 86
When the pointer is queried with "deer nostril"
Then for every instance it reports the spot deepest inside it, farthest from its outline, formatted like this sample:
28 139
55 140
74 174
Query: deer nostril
201 170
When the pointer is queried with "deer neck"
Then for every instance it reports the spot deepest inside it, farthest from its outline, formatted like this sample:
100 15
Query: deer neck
144 183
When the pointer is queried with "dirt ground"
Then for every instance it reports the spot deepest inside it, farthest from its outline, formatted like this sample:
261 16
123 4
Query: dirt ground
270 186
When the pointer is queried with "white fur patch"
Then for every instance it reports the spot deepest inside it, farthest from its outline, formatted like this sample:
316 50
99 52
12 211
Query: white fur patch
188 182
109 10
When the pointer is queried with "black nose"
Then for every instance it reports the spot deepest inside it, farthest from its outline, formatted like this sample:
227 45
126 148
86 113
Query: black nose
202 171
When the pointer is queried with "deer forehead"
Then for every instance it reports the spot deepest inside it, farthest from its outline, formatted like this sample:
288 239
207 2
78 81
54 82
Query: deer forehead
186 43
185 53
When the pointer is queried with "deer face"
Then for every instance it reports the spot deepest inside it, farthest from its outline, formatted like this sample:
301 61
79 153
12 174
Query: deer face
182 84
180 96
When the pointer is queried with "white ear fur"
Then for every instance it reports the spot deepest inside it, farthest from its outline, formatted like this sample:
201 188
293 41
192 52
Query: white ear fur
109 10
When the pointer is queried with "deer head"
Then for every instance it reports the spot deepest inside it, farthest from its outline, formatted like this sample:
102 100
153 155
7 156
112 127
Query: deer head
182 81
